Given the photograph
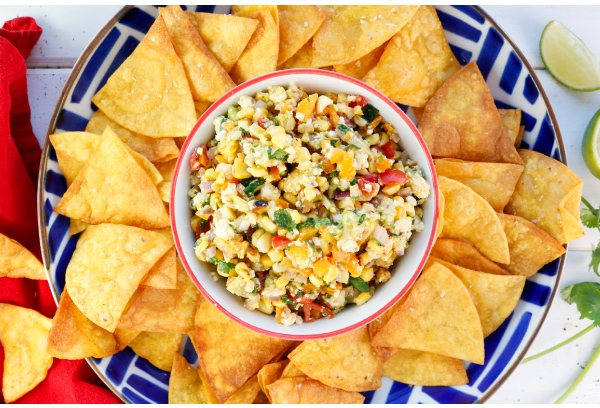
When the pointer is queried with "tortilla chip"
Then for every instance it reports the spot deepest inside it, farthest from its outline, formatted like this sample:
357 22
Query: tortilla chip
292 370
299 390
511 120
438 316
124 337
427 369
530 246
548 194
246 394
164 188
270 373
347 361
494 182
149 93
152 148
301 59
262 51
229 354
519 138
207 78
185 385
23 333
164 310
225 36
73 336
464 254
112 187
261 398
163 274
17 262
440 221
416 61
359 68
384 353
418 112
76 226
247 11
157 348
470 218
297 25
461 121
72 151
349 32
495 296
107 266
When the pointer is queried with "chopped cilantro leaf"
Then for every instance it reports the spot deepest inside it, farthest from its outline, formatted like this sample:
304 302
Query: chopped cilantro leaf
244 132
277 154
222 266
333 142
334 174
274 119
299 293
207 202
284 220
586 295
362 219
353 182
255 291
359 284
251 188
343 128
202 224
287 300
369 113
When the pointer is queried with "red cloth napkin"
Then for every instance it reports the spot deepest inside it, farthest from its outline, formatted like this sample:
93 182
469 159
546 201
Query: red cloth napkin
68 382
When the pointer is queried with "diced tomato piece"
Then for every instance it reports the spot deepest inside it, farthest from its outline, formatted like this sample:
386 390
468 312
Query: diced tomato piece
275 173
328 167
195 160
233 180
301 300
359 101
393 176
310 317
279 242
203 230
388 150
372 177
365 186
262 122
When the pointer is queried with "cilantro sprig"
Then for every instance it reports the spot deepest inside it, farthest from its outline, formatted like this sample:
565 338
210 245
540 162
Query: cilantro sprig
590 218
222 266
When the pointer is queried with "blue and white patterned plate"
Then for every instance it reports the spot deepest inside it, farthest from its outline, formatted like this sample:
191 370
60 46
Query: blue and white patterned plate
473 36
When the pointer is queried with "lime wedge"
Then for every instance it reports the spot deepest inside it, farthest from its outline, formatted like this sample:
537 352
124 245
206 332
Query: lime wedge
590 148
568 60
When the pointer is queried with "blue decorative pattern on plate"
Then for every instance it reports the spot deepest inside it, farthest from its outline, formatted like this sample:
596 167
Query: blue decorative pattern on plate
472 37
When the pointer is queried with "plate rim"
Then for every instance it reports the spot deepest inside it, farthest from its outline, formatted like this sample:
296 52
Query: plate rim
69 83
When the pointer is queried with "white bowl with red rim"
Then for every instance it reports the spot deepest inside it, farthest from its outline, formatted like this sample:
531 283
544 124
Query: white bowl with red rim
405 270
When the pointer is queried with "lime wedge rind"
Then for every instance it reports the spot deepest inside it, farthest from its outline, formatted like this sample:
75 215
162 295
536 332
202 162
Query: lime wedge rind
590 147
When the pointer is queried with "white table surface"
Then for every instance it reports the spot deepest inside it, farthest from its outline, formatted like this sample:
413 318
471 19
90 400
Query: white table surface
68 29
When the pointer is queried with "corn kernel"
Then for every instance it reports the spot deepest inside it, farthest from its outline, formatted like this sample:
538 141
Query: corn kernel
362 298
315 280
245 112
268 225
200 249
275 255
266 261
295 216
310 193
240 204
290 198
240 169
227 213
281 282
391 189
302 155
367 274
264 243
265 306
209 175
373 139
278 304
258 171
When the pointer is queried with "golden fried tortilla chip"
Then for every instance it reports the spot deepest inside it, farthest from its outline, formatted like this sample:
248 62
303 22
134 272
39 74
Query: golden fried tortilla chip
76 226
384 353
246 394
124 337
17 262
297 25
185 385
247 11
463 254
440 221
72 151
157 348
229 354
347 361
349 32
299 390
152 148
292 370
438 316
495 296
163 275
511 120
166 169
149 93
113 187
261 398
530 246
164 310
461 121
262 51
225 36
494 182
423 368
271 373
24 334
468 217
519 138
108 264
548 194
73 336
359 68
207 78
418 112
416 61
301 59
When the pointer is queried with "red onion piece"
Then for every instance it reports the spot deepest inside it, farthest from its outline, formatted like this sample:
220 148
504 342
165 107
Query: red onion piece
342 194
207 186
210 252
380 234
273 298
405 192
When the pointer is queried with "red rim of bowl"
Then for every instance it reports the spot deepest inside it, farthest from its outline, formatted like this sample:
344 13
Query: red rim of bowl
384 99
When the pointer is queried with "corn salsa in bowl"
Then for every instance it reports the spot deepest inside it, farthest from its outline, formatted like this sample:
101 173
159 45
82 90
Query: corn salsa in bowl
303 202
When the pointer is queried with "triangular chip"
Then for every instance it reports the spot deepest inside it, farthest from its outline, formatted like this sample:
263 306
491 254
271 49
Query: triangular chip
297 25
519 138
324 359
495 182
423 368
303 390
548 194
185 385
108 265
464 254
72 151
261 398
262 51
470 218
207 78
225 36
157 348
124 337
112 187
292 370
17 262
495 296
164 310
23 333
149 93
440 221
76 226
461 121
530 246
438 316
511 120
384 353
246 394
247 11
301 59
416 61
167 170
229 354
270 373
153 148
359 68
73 336
163 274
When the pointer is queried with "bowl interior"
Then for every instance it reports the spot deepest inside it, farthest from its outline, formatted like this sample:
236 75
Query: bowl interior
404 271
